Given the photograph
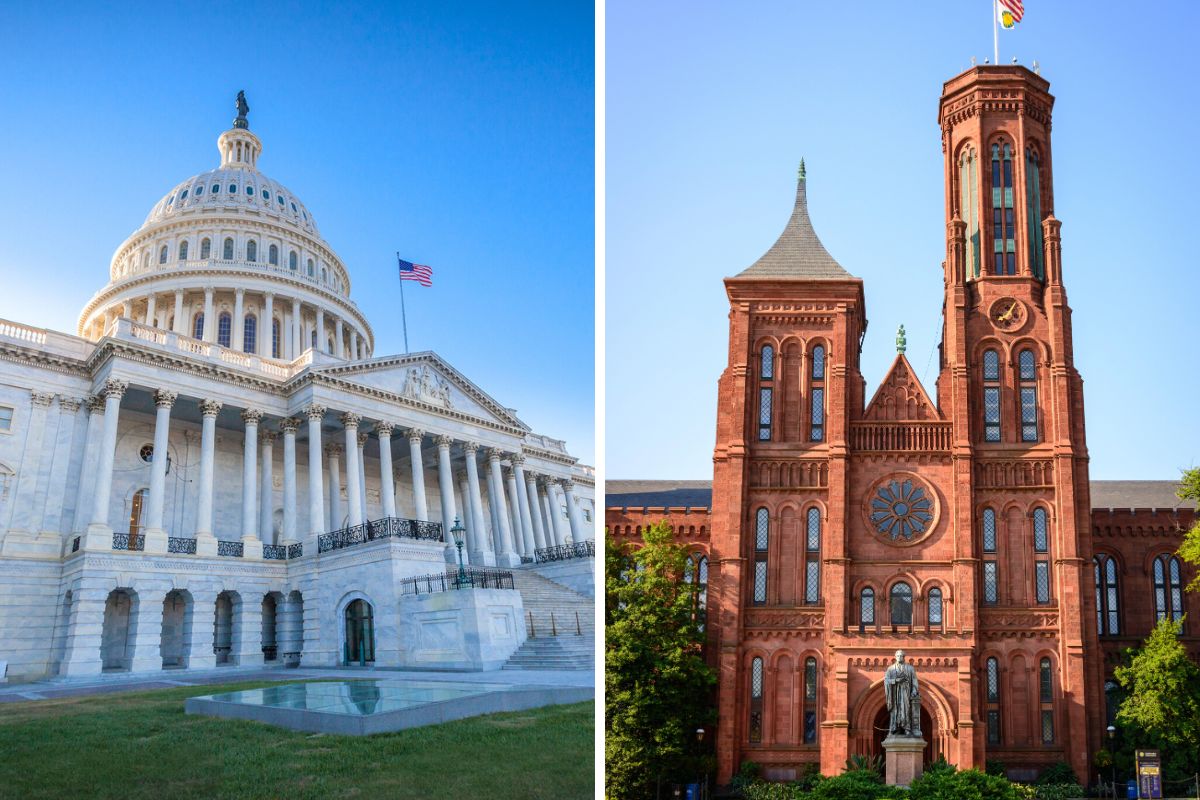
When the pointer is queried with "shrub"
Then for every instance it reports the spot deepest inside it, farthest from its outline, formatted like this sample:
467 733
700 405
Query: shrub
970 784
995 766
1059 791
1058 773
765 790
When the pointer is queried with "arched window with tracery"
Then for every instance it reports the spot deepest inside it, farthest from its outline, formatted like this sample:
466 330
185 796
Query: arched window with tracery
252 250
756 700
250 334
992 690
1033 209
1108 598
224 328
183 250
766 389
205 247
1027 380
1041 552
1004 235
991 396
1168 591
817 396
227 249
810 700
162 255
968 181
762 531
991 576
934 609
275 338
198 326
866 607
901 604
1046 699
812 557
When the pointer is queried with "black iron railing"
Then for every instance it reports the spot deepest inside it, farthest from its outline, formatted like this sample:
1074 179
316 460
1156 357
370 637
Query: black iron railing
475 578
527 559
75 545
179 545
563 552
295 550
235 549
379 529
128 541
276 552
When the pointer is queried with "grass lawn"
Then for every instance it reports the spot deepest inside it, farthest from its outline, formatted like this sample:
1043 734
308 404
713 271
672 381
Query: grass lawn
141 745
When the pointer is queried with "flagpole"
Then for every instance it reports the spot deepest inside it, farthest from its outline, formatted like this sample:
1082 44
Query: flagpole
403 315
995 34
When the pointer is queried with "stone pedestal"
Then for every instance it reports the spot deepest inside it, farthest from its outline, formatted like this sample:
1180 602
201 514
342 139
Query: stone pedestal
470 630
904 759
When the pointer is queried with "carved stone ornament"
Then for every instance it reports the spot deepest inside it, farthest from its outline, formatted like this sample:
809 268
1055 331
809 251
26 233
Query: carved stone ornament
165 398
363 437
424 384
70 404
115 388
517 459
252 416
95 404
43 399
384 429
210 408
495 454
334 450
266 436
351 420
289 425
471 447
444 441
315 411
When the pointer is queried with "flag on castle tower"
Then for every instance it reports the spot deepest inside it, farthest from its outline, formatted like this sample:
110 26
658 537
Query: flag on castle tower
1009 13
415 272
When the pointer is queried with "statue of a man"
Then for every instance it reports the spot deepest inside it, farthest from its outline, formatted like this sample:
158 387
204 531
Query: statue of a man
903 699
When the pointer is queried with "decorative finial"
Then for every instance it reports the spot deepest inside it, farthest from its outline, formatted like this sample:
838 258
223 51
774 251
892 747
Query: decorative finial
1037 68
972 61
901 340
243 108
800 175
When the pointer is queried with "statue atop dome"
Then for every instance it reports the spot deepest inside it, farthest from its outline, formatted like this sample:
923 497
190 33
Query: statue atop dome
243 108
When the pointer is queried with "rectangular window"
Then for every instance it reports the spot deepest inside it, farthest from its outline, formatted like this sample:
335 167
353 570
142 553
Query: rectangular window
990 581
1047 727
760 582
810 727
993 727
764 415
991 414
1042 578
818 414
812 582
6 418
756 695
1029 428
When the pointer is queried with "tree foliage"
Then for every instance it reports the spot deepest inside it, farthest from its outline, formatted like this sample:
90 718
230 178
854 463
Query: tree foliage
1189 551
657 686
1162 705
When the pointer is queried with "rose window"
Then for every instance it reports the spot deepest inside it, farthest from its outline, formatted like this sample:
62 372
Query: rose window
900 510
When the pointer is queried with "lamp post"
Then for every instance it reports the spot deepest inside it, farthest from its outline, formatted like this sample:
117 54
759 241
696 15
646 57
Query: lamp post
704 779
1112 749
457 532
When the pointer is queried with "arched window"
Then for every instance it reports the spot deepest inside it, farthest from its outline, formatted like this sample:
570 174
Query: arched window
162 255
250 334
756 699
198 326
1168 594
812 557
935 608
329 344
1033 209
146 259
183 250
993 701
766 392
702 595
205 247
324 275
901 604
762 532
867 607
1027 375
292 261
1004 236
1041 548
273 254
968 181
224 328
817 395
227 252
1046 700
275 338
1108 599
810 700
311 272
991 396
252 250
313 339
136 507
991 578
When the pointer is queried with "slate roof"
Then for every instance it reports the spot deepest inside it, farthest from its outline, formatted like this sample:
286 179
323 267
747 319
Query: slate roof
698 494
798 253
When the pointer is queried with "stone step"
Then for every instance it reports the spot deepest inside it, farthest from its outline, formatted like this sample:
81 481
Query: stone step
560 652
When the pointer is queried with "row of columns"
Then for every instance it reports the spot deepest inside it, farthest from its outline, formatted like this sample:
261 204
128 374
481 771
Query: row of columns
512 536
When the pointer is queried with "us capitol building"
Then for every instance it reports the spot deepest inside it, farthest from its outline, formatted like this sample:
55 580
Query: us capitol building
218 468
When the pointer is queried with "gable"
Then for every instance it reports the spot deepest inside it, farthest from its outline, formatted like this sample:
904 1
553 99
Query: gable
901 397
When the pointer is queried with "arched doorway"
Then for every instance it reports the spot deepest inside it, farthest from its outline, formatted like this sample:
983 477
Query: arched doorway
879 733
359 646
223 627
271 626
115 641
175 628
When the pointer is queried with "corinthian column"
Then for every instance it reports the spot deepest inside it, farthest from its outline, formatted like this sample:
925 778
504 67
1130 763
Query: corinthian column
334 453
156 537
464 491
510 483
387 478
83 498
535 510
251 417
506 557
420 509
99 534
523 511
288 426
353 477
577 532
266 491
446 486
361 452
556 526
206 543
316 503
481 554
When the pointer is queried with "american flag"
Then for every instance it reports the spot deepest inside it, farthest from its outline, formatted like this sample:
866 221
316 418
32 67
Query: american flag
1015 7
415 272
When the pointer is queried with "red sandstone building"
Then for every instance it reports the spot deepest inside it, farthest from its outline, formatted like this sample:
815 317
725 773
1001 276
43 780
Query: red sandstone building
841 525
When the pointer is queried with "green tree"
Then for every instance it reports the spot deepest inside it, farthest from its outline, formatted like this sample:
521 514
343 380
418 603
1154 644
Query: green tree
657 685
1189 551
1162 706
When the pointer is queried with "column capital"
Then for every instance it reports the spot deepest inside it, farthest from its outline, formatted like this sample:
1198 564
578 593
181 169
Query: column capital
268 295
95 404
210 408
415 434
208 293
517 458
267 436
495 454
165 398
239 292
70 404
289 425
471 447
384 429
546 482
567 484
351 420
251 416
333 450
314 411
508 472
444 441
115 388
363 436
42 398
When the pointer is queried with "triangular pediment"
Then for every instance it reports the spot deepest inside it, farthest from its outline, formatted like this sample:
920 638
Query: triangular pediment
425 379
901 397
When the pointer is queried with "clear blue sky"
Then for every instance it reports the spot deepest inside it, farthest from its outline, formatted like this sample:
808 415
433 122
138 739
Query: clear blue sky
459 134
709 108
